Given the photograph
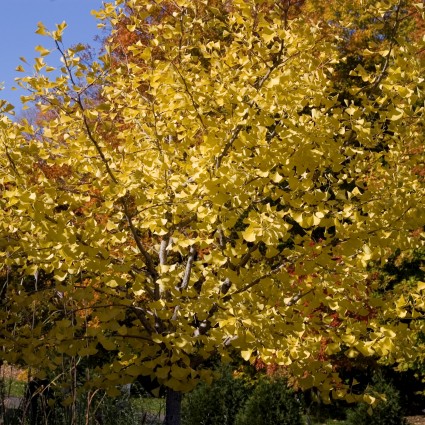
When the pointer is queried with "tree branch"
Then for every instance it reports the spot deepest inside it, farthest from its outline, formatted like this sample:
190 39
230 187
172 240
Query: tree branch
254 282
148 259
277 61
186 277
194 103
297 297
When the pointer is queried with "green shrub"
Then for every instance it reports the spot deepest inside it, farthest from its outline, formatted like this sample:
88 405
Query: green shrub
215 404
204 406
387 412
271 403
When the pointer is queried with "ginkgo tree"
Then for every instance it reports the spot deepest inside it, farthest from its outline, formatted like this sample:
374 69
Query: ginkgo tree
220 193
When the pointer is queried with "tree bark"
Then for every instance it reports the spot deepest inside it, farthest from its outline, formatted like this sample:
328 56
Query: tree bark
173 403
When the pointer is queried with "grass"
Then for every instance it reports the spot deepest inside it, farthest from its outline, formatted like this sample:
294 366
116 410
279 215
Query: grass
150 405
13 388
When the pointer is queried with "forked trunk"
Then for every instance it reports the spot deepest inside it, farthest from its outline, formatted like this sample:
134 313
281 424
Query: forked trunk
173 404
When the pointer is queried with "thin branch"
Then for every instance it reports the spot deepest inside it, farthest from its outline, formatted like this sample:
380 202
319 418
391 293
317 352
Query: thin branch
221 239
141 315
190 260
247 256
83 109
381 75
254 282
297 297
176 311
183 223
230 142
11 161
149 291
229 340
93 338
277 61
194 103
205 325
148 259
225 286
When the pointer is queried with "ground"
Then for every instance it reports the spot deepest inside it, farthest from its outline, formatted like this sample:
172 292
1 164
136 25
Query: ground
416 420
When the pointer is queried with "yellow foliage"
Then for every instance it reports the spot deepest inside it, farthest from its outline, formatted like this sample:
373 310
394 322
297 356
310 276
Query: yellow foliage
226 188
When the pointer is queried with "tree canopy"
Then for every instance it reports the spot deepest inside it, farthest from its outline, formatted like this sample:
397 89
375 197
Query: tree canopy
240 166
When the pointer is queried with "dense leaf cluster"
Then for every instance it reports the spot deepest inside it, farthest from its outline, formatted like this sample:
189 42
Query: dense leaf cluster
220 179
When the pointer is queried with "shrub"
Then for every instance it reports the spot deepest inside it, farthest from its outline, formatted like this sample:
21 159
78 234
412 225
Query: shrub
215 404
388 412
271 403
204 406
317 411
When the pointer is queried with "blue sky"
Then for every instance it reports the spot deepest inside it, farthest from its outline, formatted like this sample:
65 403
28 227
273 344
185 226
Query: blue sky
18 23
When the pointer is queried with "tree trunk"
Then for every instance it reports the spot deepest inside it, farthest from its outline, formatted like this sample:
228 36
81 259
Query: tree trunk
173 404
